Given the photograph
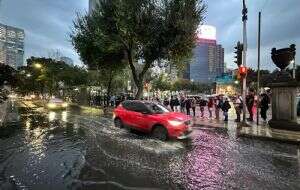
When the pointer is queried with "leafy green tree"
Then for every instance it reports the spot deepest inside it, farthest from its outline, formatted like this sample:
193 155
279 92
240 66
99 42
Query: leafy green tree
7 74
97 51
161 83
44 74
145 30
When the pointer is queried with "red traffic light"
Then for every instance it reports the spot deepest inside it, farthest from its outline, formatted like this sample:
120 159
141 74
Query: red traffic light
243 70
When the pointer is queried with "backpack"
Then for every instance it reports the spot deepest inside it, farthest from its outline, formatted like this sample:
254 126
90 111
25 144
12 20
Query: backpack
220 104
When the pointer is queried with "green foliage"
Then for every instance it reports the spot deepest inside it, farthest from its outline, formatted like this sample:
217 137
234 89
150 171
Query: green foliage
161 83
48 76
186 85
7 74
145 30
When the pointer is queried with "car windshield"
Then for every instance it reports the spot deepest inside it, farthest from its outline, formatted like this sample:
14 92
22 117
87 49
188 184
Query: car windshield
157 108
55 100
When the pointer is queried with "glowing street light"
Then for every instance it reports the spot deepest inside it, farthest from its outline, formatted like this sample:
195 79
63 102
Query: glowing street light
28 75
236 82
38 65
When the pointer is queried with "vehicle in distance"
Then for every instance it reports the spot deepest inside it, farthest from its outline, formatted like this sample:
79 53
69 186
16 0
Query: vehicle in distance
153 118
57 104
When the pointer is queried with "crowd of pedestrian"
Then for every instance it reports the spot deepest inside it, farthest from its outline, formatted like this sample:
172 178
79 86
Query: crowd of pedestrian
215 105
189 104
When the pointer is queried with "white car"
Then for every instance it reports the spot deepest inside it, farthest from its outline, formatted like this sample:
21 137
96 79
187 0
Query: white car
57 104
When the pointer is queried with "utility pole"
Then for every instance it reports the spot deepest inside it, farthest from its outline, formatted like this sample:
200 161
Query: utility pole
244 19
258 68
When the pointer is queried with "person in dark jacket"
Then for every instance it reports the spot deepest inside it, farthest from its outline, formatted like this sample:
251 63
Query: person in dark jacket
250 103
172 103
225 108
182 104
166 102
188 105
202 104
264 106
176 104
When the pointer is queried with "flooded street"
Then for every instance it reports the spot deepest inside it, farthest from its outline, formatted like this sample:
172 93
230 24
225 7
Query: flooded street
72 150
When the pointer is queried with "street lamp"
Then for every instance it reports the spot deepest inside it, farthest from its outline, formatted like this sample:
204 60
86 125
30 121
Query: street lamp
28 75
38 66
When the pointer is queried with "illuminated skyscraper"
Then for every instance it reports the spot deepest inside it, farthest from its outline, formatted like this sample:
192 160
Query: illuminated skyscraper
11 46
208 57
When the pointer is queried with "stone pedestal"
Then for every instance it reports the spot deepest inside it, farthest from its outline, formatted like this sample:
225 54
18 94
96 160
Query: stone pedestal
284 106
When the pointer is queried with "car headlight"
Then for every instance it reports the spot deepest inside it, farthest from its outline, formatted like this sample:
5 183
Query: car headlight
65 105
51 105
175 123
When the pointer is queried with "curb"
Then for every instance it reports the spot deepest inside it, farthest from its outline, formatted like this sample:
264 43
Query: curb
266 138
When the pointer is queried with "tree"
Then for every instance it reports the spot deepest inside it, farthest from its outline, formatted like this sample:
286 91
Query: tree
97 51
161 83
7 74
48 75
147 31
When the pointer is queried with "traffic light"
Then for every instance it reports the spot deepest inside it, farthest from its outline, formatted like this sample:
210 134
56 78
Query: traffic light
243 71
239 54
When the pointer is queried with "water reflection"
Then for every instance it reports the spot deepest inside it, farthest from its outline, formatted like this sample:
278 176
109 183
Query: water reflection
61 150
51 116
64 116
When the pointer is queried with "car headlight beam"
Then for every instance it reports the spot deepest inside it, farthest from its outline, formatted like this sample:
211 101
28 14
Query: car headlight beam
51 105
175 123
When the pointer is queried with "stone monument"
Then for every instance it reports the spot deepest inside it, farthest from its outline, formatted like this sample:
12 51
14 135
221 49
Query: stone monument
284 91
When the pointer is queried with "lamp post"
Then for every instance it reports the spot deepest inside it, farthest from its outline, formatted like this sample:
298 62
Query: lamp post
244 19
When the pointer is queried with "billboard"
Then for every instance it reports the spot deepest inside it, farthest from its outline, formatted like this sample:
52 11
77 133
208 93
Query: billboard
207 32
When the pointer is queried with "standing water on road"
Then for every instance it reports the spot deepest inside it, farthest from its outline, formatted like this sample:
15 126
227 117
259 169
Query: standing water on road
68 150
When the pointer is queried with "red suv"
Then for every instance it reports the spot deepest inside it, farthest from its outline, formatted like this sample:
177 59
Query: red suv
154 118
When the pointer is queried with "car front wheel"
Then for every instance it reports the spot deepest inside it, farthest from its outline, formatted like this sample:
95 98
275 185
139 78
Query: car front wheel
160 133
118 123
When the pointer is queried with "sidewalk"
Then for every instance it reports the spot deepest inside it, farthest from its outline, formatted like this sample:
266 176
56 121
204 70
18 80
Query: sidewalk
248 129
3 112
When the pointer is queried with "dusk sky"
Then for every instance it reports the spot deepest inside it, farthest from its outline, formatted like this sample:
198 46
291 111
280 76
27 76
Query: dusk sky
47 24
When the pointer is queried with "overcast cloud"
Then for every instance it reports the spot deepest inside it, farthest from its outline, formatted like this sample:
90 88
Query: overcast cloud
47 24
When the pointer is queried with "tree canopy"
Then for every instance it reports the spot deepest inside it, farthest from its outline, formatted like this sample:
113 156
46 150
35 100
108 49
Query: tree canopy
141 31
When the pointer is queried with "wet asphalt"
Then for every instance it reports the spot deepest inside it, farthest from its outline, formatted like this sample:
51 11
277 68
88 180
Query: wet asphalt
73 150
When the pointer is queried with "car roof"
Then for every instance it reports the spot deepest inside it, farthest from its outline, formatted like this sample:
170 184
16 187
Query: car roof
140 101
55 100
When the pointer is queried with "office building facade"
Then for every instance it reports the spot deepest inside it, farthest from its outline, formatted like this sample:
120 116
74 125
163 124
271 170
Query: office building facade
208 58
11 46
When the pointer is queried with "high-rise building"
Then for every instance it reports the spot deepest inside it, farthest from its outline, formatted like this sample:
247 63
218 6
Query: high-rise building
208 57
11 46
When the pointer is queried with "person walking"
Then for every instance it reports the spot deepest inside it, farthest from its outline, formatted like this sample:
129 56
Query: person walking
210 105
225 108
217 108
166 102
238 105
182 104
250 103
176 104
264 106
188 106
172 103
193 105
202 105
